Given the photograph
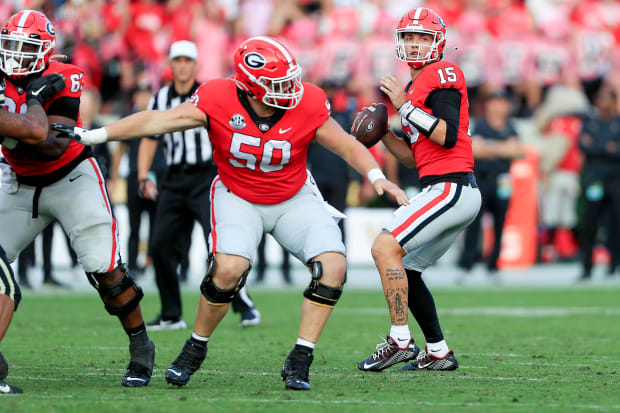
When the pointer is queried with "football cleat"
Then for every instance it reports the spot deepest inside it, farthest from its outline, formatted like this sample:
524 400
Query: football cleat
296 369
250 317
186 363
389 353
140 367
160 324
6 388
427 361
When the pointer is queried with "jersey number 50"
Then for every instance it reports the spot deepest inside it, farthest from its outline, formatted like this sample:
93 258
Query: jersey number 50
269 147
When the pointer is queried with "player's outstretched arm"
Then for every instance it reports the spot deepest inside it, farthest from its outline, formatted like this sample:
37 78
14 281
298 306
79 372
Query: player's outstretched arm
334 138
145 123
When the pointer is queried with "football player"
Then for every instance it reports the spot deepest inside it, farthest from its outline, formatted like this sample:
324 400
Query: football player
30 127
434 115
59 179
260 123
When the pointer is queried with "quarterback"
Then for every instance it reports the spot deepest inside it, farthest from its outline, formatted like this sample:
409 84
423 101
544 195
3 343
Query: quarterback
57 178
261 122
435 118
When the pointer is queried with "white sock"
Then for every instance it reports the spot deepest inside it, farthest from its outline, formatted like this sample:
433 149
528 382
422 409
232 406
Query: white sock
199 337
305 343
439 349
401 335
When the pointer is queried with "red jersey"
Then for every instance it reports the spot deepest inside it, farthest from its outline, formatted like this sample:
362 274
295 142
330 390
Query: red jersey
15 101
432 158
261 162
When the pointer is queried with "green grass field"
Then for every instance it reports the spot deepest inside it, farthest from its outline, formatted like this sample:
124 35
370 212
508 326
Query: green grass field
519 349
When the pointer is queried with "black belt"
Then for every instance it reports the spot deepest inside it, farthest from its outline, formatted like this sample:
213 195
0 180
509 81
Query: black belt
461 178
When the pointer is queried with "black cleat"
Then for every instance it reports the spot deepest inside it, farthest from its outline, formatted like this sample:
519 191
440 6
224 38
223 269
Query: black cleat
295 370
160 324
426 361
388 353
186 363
250 317
6 388
4 367
140 367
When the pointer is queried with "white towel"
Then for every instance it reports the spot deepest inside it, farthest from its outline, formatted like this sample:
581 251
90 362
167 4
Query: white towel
337 215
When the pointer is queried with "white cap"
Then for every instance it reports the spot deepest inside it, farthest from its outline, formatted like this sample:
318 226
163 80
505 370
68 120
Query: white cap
183 48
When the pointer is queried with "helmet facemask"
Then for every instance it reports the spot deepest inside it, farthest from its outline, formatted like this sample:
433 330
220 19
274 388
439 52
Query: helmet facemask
282 93
21 55
418 61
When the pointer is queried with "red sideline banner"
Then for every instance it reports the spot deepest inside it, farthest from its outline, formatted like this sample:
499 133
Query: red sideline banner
519 238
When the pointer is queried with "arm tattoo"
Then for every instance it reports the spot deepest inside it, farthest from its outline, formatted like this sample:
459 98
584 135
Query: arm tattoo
20 127
397 303
395 274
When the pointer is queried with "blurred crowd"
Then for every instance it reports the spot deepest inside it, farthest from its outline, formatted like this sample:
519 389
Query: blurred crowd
555 63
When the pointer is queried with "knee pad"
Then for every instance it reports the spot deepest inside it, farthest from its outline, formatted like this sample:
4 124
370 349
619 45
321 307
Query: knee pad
216 295
321 294
8 285
106 292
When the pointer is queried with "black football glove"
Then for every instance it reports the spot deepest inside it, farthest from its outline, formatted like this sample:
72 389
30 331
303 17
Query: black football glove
42 89
65 131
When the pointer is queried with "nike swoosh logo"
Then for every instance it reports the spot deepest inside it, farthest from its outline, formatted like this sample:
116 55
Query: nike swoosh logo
74 178
135 379
435 351
5 388
421 366
367 366
175 372
38 91
283 131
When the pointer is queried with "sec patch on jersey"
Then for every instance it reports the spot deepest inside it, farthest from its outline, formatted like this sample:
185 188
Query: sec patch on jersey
371 124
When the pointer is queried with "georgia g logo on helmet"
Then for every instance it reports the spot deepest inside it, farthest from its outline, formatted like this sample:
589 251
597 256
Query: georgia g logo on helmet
268 72
27 42
254 60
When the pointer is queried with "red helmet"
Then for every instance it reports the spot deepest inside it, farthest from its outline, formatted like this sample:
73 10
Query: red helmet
26 43
420 20
267 71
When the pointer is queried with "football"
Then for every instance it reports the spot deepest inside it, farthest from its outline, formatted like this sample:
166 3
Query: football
370 124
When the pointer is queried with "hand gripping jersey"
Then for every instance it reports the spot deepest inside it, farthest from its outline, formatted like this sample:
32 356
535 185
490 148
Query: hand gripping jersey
15 101
432 158
261 160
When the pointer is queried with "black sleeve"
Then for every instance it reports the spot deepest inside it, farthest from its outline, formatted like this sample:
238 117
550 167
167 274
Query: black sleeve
65 106
446 105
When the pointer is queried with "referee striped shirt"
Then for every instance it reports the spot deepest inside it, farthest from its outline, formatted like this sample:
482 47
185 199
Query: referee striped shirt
186 148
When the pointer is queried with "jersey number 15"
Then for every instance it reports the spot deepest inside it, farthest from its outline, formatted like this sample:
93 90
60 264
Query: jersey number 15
446 74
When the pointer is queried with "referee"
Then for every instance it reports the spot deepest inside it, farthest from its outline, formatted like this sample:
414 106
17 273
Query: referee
183 194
